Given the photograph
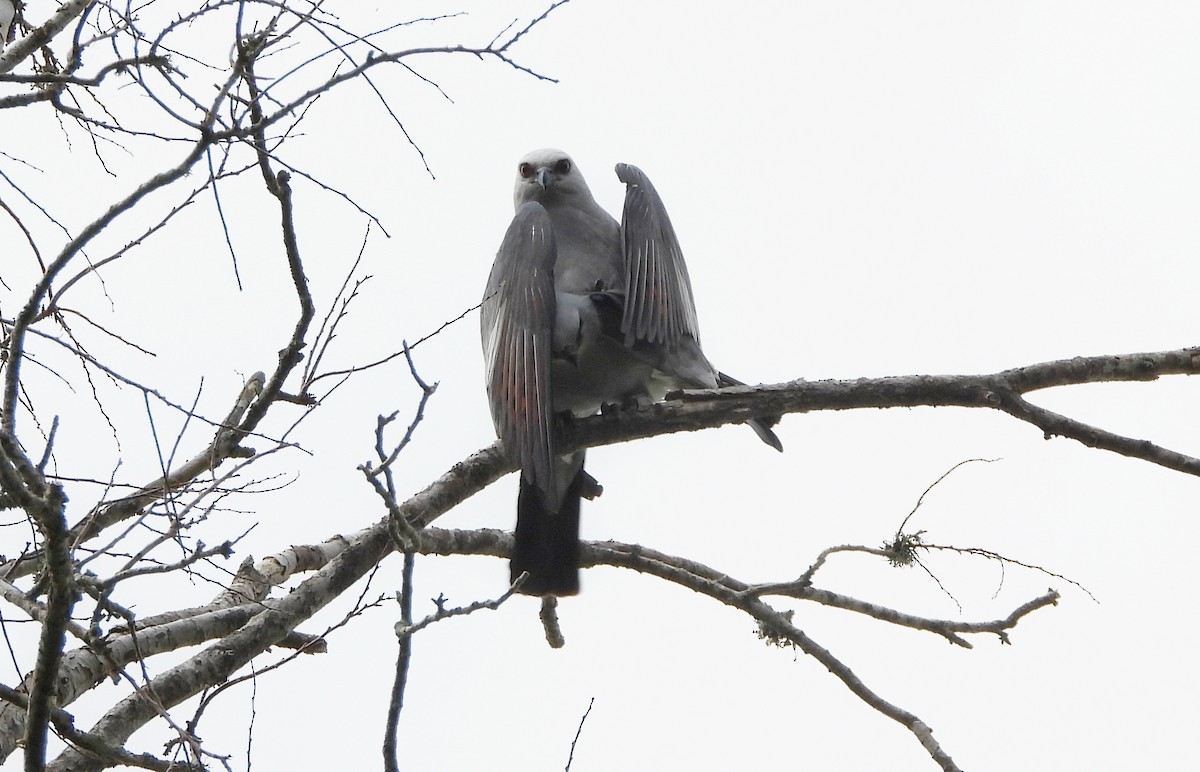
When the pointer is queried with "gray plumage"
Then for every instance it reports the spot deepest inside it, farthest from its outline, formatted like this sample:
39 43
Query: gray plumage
580 312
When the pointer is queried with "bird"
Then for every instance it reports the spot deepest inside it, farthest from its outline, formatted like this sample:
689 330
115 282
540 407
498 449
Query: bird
7 12
580 312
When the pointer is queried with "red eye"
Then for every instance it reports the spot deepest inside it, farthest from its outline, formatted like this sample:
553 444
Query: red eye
525 170
562 167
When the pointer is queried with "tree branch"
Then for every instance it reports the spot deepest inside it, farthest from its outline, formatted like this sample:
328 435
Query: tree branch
704 409
20 50
775 625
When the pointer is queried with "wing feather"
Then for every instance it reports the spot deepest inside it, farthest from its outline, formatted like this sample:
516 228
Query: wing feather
517 327
659 307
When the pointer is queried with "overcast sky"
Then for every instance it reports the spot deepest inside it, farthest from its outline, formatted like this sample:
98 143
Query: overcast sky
861 189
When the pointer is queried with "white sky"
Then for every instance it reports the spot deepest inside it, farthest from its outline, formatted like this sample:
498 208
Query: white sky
861 189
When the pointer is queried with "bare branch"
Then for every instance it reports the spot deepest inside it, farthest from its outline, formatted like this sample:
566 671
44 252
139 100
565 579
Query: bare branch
703 409
578 732
64 724
29 311
391 761
549 618
222 447
20 50
774 625
408 629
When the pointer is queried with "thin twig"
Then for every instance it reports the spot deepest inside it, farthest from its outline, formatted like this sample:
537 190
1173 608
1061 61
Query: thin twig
579 731
391 760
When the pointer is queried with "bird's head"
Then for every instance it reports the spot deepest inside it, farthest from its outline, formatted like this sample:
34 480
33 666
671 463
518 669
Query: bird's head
548 176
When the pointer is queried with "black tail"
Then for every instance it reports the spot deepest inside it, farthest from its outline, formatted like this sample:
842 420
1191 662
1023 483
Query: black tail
547 542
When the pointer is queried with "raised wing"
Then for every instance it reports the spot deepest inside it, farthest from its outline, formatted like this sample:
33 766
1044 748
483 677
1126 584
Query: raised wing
517 324
658 300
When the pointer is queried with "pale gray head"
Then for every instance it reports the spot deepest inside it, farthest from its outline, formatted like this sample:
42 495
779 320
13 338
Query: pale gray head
549 176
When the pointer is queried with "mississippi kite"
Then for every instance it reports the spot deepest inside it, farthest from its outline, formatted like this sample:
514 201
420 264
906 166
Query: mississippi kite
581 312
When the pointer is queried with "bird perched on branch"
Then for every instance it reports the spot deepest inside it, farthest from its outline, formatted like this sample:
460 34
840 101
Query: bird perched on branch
581 312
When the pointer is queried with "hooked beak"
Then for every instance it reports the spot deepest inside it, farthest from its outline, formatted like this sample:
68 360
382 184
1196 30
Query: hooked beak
544 178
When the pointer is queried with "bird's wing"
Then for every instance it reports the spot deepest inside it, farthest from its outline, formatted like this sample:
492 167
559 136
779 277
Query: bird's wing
7 12
658 301
517 319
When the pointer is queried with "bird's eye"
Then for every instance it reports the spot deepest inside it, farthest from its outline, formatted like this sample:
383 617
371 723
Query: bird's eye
562 167
525 170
